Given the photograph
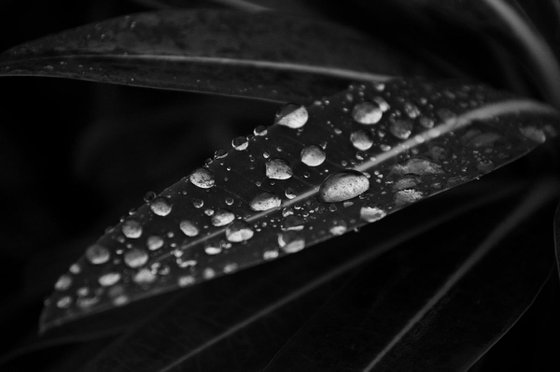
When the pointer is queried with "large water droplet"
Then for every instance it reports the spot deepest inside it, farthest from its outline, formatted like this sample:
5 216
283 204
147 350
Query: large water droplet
291 242
109 279
312 156
202 178
239 231
343 186
135 258
188 228
292 116
361 140
132 229
277 169
265 201
401 128
367 113
97 254
222 217
161 206
372 214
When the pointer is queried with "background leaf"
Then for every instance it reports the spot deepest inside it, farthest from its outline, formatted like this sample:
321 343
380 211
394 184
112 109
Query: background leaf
288 188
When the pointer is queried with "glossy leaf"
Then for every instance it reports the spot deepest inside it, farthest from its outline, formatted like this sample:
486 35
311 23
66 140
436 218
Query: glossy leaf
262 307
265 56
319 172
438 306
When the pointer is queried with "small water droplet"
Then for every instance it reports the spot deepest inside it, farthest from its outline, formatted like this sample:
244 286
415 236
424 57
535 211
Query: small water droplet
135 258
240 143
188 228
144 276
292 116
265 201
367 113
312 156
343 186
64 302
411 110
400 128
109 279
229 200
220 154
63 283
131 229
293 222
161 206
212 250
154 242
97 254
222 217
361 140
291 242
149 196
426 122
185 281
277 169
338 227
260 131
198 203
372 214
202 178
290 193
239 231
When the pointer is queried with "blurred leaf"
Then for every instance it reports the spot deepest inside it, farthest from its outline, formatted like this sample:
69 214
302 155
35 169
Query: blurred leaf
265 56
440 304
300 182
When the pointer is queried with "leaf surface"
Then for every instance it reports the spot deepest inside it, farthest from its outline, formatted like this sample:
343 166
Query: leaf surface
265 56
319 172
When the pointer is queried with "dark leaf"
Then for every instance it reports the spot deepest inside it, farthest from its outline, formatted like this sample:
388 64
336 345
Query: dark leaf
265 56
437 306
556 224
259 309
319 172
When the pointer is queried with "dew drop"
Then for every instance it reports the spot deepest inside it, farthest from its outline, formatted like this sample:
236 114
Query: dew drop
109 279
198 203
372 214
222 217
64 302
292 116
239 231
161 206
212 250
135 258
132 229
185 280
290 193
265 201
312 156
338 227
144 276
97 254
291 242
188 228
260 131
63 283
229 200
361 140
202 178
343 186
240 143
400 128
277 169
367 113
154 242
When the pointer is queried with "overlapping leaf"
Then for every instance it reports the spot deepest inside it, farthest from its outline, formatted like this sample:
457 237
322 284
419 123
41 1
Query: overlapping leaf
264 55
319 172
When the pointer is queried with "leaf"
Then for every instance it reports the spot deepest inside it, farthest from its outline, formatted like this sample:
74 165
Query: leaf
265 56
556 224
264 306
319 172
438 306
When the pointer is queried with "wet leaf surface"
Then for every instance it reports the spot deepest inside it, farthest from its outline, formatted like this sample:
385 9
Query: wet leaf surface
264 56
299 182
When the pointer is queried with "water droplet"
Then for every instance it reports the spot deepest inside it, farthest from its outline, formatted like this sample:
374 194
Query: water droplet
144 276
407 196
149 196
240 143
131 229
97 254
292 116
63 283
338 227
188 228
202 178
277 169
260 131
291 242
220 154
419 167
64 302
109 279
343 186
426 122
135 258
239 231
411 110
367 113
212 250
312 156
372 214
154 243
534 133
198 203
161 206
361 140
400 128
293 222
222 217
265 201
290 193
185 281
